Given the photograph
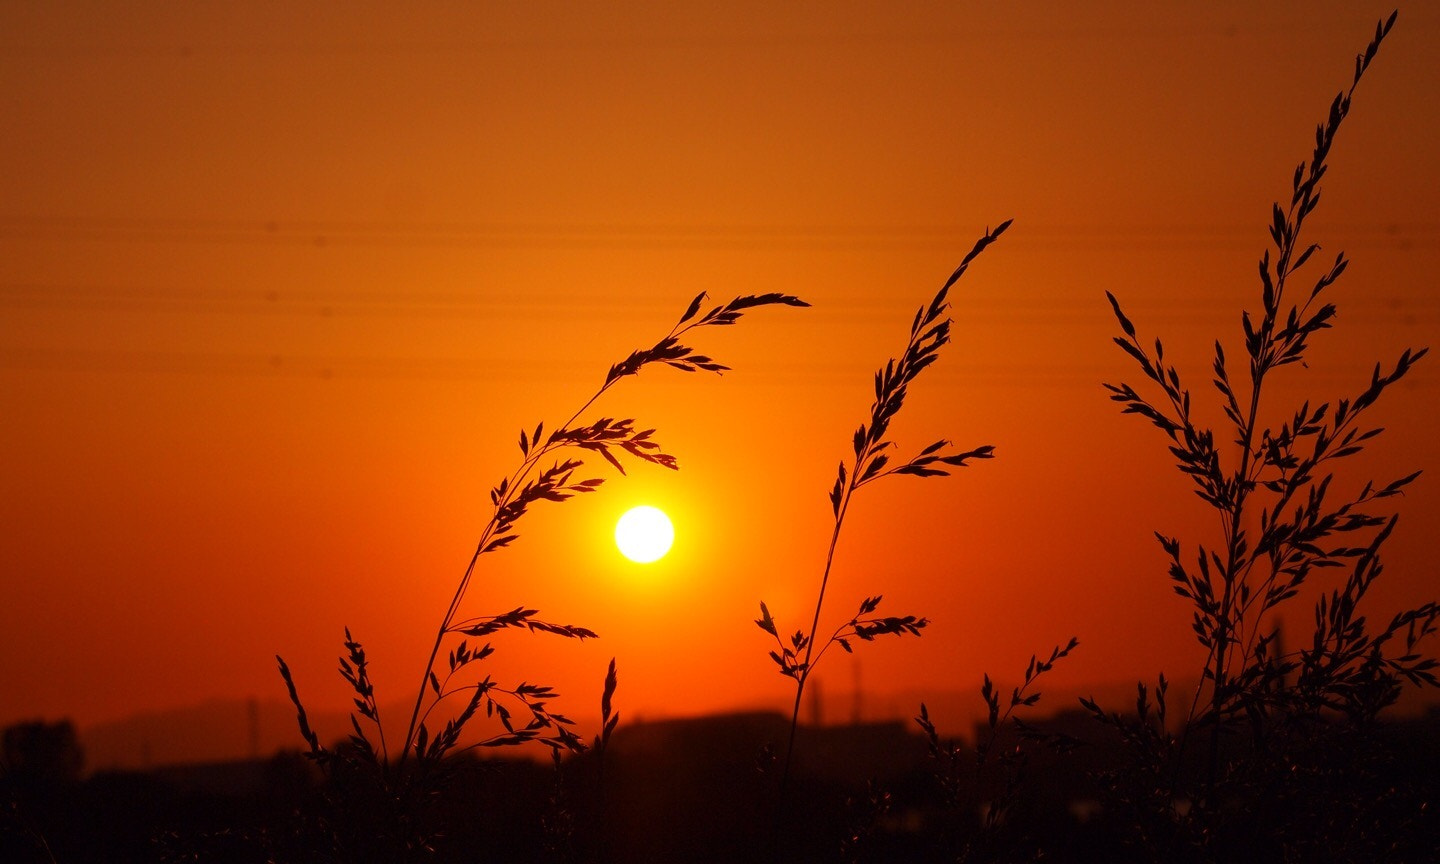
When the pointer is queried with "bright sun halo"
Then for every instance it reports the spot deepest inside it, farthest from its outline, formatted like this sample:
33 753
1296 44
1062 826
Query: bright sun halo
644 534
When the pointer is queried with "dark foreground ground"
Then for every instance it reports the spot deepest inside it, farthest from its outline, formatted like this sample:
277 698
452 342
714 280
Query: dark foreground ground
704 790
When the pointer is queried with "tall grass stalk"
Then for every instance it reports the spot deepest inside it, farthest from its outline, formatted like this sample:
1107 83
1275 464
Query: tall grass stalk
533 481
610 439
956 774
929 332
1281 480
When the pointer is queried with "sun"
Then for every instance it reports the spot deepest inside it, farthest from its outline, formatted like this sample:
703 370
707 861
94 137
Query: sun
644 534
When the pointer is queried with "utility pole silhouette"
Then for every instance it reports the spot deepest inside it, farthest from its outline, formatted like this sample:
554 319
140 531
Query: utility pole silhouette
253 710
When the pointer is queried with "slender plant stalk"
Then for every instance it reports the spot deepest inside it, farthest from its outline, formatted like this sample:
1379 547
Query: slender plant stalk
514 483
1284 471
929 332
371 790
515 491
814 628
947 761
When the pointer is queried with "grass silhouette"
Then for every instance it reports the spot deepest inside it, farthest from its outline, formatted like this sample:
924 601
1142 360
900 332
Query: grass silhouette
1264 714
391 789
1003 755
796 656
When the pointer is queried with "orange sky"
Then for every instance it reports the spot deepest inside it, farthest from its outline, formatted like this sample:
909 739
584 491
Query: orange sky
280 283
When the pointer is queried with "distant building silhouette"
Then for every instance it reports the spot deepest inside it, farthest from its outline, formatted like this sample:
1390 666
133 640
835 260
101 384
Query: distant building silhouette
43 754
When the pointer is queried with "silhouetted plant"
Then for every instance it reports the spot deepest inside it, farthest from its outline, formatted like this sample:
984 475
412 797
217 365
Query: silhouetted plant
596 847
609 719
384 792
860 842
1281 701
929 332
994 772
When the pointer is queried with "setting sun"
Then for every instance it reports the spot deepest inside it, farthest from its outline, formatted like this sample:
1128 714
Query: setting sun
644 534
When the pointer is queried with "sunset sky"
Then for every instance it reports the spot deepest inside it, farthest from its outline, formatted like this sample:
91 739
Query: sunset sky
280 283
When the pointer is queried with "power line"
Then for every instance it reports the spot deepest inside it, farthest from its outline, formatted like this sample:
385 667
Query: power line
396 233
514 369
553 42
488 304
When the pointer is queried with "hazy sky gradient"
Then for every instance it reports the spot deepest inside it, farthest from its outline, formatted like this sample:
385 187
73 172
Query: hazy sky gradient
280 283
